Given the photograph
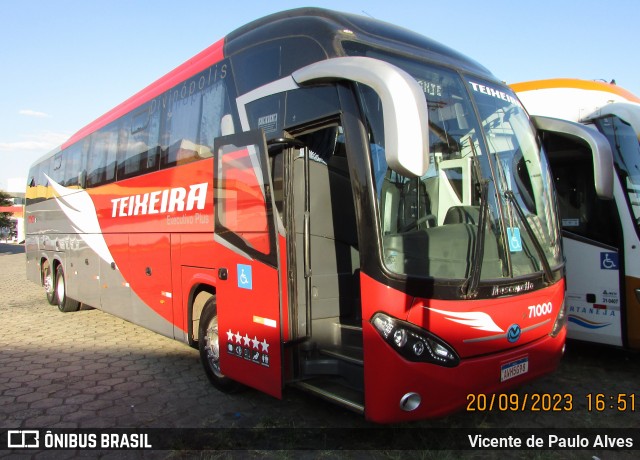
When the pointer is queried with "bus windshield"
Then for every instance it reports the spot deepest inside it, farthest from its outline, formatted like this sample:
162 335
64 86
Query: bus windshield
486 200
626 150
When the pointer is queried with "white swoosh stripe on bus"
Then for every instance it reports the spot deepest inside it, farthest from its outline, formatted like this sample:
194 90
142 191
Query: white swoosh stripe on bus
475 319
80 210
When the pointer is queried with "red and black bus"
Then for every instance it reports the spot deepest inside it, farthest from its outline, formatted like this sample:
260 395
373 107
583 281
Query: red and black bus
321 200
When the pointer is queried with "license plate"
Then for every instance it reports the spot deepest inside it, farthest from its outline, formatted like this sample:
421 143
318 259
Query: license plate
514 369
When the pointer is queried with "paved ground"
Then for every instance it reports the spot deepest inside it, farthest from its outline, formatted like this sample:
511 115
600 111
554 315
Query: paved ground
91 370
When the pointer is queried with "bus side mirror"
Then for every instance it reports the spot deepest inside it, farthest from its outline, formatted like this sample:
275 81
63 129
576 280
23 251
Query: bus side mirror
404 107
595 141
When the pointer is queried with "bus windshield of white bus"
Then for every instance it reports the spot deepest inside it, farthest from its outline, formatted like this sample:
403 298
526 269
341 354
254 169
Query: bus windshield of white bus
486 200
626 153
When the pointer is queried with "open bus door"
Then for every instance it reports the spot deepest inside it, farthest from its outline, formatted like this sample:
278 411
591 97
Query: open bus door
582 165
248 289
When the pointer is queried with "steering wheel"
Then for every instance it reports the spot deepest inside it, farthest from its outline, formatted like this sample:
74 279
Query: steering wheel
416 223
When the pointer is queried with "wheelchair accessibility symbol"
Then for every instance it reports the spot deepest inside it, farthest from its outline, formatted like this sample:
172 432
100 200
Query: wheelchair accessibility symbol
515 242
608 260
245 277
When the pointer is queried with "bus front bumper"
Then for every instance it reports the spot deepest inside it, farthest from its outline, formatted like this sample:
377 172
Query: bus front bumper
400 390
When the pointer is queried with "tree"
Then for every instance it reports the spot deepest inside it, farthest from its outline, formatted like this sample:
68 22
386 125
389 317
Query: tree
6 225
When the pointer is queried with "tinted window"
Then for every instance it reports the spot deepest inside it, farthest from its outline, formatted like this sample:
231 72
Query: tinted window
73 163
56 168
626 153
270 61
193 121
140 150
101 161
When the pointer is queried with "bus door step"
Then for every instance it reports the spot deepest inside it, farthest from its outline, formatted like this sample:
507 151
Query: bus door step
344 365
333 391
349 335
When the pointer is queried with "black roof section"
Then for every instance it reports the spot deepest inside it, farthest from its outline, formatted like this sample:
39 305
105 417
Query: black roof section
327 28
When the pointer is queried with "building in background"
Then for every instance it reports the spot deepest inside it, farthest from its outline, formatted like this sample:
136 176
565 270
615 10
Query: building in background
12 229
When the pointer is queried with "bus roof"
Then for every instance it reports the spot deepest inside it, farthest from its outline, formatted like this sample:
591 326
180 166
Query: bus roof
326 26
574 83
570 98
322 25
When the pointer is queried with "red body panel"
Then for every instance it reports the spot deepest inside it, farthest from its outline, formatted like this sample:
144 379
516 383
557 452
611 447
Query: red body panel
388 376
173 200
166 229
149 270
443 390
473 337
249 324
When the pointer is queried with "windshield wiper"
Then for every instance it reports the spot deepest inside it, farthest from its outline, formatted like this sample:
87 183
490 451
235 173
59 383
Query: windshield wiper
470 286
548 275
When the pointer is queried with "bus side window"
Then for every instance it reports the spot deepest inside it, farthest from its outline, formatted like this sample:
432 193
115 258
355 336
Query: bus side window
191 124
140 152
33 189
56 169
73 165
101 159
181 123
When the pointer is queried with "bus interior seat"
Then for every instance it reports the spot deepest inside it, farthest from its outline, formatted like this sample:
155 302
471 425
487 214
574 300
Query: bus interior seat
462 215
414 204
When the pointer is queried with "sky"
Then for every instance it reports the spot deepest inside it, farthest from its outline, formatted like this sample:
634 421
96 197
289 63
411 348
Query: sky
63 63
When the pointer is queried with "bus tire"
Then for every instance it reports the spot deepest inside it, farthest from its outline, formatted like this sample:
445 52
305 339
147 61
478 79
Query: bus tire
209 346
65 304
49 283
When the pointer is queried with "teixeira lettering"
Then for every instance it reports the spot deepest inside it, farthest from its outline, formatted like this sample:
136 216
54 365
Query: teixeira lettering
177 199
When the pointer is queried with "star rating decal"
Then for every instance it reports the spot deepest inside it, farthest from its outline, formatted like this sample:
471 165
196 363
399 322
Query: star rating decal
251 349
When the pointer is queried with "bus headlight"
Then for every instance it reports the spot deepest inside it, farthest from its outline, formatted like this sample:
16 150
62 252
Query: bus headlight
413 343
561 321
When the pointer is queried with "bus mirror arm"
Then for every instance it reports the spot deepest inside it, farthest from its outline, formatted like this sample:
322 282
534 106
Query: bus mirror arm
404 106
597 143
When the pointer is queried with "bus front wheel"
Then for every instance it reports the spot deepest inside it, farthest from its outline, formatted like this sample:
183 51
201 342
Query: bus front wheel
209 346
65 304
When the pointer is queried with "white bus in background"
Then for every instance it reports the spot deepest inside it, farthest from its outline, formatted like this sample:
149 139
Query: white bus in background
601 237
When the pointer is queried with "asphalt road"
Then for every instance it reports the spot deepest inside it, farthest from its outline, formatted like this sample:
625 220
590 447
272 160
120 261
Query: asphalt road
89 369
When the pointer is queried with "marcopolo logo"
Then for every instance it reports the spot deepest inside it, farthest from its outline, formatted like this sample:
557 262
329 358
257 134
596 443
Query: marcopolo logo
513 333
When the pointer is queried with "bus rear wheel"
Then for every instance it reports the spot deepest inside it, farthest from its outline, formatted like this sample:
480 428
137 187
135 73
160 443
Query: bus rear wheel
209 346
65 304
48 283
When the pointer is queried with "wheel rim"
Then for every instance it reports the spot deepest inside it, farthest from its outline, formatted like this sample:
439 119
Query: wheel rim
212 346
48 280
60 289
